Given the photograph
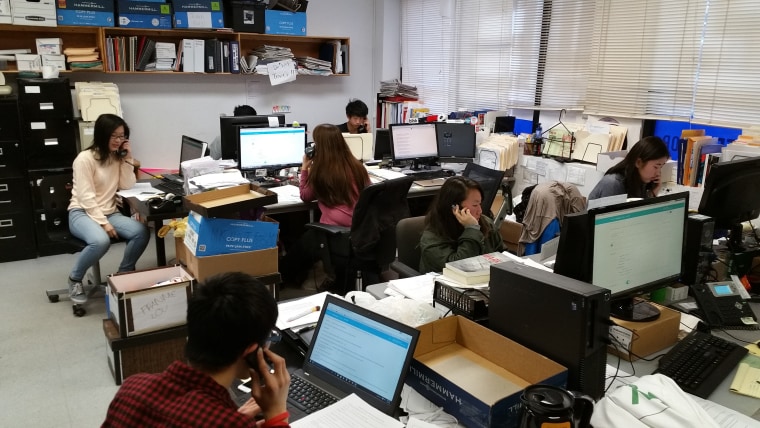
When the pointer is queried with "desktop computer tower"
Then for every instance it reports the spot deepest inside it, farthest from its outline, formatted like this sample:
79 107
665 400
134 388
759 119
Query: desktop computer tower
699 239
561 318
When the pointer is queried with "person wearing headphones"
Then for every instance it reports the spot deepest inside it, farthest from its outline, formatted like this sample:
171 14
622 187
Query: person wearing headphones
99 172
356 118
455 227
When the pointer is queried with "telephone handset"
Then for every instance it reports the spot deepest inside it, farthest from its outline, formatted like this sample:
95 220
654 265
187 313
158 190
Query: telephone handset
723 304
362 129
121 153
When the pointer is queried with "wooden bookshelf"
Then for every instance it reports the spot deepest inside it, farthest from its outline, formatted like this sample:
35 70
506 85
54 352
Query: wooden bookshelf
23 37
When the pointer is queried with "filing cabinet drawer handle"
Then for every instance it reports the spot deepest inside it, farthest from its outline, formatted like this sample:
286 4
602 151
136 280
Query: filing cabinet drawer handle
46 106
6 223
1 151
51 141
3 187
8 237
5 202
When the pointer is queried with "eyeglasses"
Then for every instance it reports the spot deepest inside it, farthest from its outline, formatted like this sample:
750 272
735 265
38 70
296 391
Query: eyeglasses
119 137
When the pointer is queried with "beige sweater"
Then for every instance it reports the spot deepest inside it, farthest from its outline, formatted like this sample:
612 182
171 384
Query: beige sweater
95 185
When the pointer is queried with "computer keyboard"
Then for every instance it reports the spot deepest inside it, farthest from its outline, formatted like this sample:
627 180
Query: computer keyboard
307 397
700 362
428 174
174 187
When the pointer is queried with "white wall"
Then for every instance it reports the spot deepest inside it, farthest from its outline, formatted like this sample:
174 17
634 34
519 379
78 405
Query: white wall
160 108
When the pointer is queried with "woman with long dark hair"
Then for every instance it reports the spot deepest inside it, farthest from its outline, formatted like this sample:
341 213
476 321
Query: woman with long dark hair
333 177
455 227
638 174
99 172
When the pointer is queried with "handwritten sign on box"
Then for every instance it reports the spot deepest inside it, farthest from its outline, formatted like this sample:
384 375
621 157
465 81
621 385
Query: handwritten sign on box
281 72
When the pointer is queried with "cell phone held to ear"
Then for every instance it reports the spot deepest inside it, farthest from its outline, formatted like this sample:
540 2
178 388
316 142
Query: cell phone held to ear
309 151
122 152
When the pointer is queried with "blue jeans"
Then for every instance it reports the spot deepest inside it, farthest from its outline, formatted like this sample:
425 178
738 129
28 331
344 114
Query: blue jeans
83 227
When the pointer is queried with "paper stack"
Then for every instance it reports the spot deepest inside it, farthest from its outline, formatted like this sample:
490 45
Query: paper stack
394 88
166 54
314 66
96 98
85 58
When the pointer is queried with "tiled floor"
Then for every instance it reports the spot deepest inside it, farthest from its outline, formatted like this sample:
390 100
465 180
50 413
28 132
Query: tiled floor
53 369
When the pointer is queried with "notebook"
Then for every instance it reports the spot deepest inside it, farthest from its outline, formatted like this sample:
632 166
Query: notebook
354 350
190 149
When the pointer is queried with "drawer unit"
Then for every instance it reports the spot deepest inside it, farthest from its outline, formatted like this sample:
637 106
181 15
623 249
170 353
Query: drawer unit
17 237
11 159
9 123
50 143
45 99
51 189
14 195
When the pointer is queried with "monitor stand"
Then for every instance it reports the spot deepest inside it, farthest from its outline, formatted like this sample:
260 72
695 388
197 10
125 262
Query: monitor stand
633 309
424 165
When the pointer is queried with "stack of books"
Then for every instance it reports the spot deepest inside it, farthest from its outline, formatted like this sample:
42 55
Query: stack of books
471 272
394 88
314 66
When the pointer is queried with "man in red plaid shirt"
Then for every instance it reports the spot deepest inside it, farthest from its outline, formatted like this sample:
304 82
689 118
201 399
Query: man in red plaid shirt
229 319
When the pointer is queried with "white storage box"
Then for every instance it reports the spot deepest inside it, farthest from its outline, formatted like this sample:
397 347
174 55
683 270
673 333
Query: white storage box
149 300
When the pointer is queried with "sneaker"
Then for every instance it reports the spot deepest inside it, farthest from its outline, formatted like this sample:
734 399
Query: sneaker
76 292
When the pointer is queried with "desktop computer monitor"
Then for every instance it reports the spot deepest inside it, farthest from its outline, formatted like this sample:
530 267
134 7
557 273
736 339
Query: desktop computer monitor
732 195
414 142
360 145
629 248
228 130
382 149
456 142
270 148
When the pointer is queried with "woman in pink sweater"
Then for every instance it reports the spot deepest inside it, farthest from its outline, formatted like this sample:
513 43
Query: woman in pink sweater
334 177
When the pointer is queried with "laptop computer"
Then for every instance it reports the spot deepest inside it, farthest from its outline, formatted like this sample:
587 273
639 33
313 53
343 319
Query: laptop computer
190 149
354 351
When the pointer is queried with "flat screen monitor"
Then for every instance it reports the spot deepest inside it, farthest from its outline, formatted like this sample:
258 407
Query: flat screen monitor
413 141
382 149
629 248
456 142
360 145
732 195
190 149
228 130
270 148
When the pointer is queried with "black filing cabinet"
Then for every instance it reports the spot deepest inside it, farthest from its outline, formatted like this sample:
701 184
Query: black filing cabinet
17 240
48 135
47 116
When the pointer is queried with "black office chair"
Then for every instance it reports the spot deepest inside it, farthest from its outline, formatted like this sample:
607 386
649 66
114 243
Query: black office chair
408 253
54 193
490 180
364 250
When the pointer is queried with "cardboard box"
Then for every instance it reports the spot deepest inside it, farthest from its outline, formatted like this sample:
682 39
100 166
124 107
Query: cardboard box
476 374
198 14
214 236
147 353
34 12
137 305
96 13
28 62
285 23
57 61
256 263
144 14
639 339
510 233
230 202
48 45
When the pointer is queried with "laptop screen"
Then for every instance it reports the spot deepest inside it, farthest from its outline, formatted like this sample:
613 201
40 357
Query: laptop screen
361 351
191 149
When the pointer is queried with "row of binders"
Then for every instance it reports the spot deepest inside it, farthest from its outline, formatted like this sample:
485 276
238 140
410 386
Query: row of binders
140 53
697 153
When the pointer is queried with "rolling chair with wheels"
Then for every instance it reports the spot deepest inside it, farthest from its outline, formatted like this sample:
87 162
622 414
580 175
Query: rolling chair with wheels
93 283
408 235
363 250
